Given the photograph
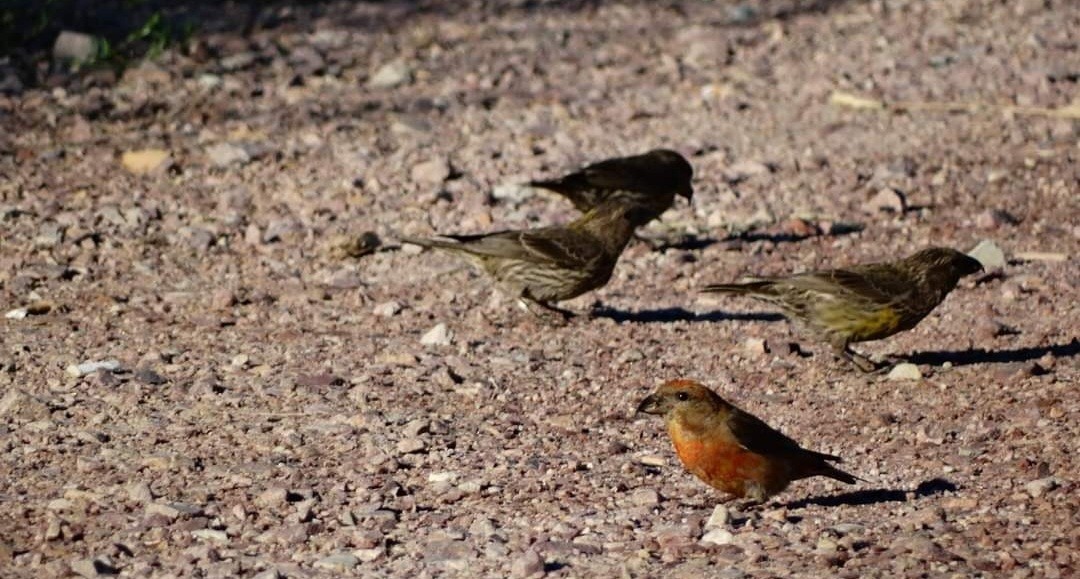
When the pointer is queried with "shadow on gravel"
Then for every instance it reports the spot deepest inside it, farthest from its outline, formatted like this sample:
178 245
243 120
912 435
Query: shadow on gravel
667 315
929 488
981 356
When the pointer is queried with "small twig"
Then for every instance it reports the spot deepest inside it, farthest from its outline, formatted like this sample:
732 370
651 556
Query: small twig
1071 111
1040 256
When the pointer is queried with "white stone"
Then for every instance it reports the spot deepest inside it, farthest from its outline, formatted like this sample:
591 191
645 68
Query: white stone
905 371
988 254
718 537
719 518
439 335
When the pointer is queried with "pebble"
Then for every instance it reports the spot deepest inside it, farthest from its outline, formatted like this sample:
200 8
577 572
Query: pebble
212 535
995 218
390 75
652 460
888 200
272 497
338 562
94 567
387 309
145 161
718 537
527 565
80 370
439 335
719 518
513 193
1039 487
140 492
988 254
905 371
756 346
411 446
224 155
645 497
432 171
74 46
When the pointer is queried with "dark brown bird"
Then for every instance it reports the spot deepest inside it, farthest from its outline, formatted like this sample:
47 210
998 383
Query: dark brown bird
650 180
731 450
863 302
550 264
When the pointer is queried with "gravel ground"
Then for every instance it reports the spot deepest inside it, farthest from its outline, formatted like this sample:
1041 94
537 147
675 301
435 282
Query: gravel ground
269 402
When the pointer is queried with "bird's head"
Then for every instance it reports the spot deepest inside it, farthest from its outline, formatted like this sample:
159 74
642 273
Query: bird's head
678 168
684 401
947 261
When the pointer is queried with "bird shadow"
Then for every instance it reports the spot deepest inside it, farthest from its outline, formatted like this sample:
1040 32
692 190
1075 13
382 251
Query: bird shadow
982 356
928 488
668 315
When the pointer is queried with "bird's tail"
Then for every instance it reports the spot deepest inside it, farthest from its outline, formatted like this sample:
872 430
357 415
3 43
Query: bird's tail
433 243
762 286
818 465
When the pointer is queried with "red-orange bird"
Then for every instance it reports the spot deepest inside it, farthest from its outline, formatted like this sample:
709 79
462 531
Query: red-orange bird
732 450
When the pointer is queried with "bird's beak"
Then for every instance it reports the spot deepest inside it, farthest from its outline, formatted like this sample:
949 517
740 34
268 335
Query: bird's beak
650 405
689 194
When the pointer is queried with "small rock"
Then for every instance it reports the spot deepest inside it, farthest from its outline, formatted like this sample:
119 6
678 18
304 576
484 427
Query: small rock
17 314
94 567
527 565
512 193
630 356
1039 487
387 309
432 172
148 376
888 200
168 511
442 477
354 246
390 75
717 537
80 370
338 562
273 497
74 46
905 371
368 555
645 497
411 445
238 61
652 460
743 170
439 335
146 161
719 518
988 254
140 492
211 535
995 218
227 154
756 346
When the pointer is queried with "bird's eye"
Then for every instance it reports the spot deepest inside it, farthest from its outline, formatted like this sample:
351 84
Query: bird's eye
682 396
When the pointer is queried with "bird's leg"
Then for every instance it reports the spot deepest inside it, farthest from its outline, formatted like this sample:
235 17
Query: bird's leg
864 364
547 312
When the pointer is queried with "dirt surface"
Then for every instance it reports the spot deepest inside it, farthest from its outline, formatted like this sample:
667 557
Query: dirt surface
269 405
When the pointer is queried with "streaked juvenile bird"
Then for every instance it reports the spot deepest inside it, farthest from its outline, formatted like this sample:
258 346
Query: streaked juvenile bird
731 450
863 302
650 180
550 264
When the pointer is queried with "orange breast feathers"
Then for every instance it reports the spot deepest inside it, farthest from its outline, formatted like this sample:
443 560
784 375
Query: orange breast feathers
719 460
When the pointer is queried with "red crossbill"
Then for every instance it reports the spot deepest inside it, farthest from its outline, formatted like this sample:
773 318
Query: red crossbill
731 450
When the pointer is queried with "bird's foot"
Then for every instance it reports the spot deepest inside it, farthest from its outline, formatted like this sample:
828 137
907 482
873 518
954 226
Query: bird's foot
547 313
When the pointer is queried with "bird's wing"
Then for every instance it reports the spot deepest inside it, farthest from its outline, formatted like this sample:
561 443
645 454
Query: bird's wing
756 436
550 245
612 174
871 283
563 247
